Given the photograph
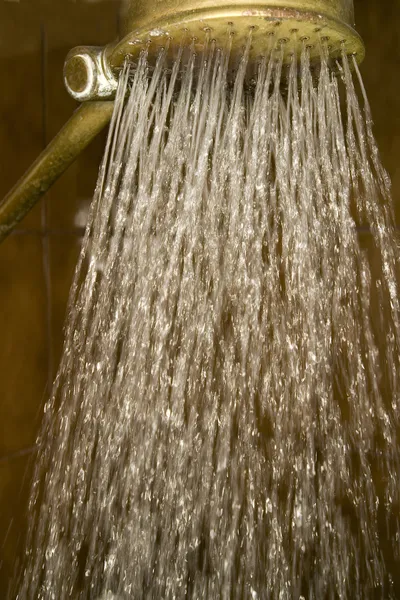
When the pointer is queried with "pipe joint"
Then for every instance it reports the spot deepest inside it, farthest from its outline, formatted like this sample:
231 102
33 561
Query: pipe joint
88 76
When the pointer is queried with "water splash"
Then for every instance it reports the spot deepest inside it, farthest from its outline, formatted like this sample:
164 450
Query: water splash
225 418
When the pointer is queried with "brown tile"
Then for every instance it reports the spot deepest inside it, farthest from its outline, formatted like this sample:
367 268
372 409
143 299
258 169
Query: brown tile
73 23
15 482
376 22
23 348
21 115
80 23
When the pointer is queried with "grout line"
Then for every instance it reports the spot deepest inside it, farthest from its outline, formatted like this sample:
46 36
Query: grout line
118 24
46 258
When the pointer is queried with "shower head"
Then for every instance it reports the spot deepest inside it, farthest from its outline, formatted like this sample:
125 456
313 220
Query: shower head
155 24
90 73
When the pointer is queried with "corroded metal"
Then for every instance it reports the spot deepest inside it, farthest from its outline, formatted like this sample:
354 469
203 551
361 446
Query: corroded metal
80 130
144 13
293 21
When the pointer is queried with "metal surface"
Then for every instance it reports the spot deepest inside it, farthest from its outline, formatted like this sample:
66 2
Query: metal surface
289 21
144 13
80 130
87 75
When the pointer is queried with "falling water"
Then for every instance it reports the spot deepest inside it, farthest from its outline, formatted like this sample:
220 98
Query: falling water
225 419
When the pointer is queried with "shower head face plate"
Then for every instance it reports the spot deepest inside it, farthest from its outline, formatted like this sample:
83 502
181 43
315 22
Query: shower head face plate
262 28
288 29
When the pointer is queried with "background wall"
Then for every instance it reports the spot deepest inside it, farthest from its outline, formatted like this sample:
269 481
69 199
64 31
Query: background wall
37 261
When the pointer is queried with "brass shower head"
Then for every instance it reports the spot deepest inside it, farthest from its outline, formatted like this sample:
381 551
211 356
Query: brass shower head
289 23
91 73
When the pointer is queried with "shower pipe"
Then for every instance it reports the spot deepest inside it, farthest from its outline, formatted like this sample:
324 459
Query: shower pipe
91 74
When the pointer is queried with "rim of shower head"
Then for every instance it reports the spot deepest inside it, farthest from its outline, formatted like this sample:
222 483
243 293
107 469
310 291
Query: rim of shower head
289 23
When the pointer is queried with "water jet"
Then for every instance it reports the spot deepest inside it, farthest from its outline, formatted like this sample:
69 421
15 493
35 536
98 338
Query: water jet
220 409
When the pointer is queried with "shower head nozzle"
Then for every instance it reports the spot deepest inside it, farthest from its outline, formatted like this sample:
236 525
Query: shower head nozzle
290 24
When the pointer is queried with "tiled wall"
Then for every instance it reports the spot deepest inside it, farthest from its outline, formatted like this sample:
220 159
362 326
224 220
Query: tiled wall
37 261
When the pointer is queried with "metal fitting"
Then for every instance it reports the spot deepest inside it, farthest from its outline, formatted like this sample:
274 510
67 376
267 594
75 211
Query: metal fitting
88 76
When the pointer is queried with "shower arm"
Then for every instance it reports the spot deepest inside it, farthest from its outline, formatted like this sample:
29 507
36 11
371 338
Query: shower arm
76 135
90 74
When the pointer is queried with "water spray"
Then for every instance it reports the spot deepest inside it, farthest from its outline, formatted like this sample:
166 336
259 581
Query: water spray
225 418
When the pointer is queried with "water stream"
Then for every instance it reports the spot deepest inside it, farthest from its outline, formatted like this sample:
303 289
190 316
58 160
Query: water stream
224 424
